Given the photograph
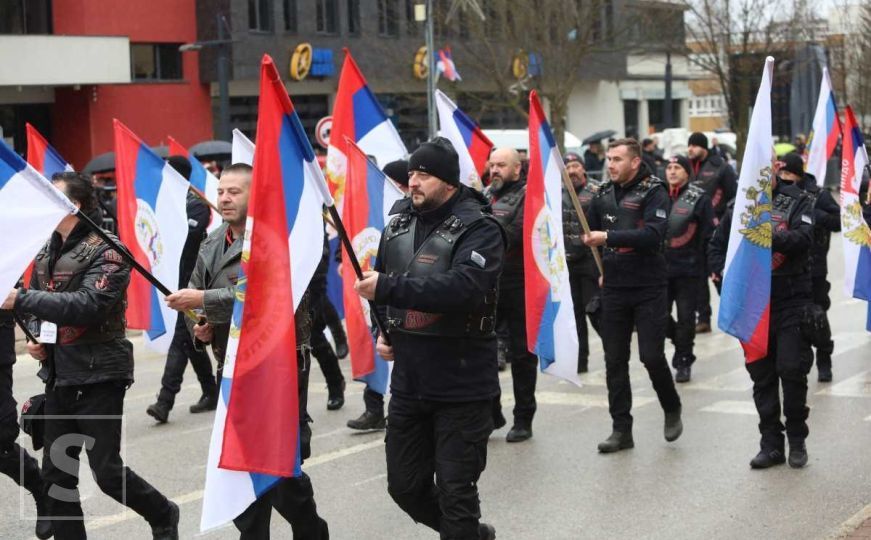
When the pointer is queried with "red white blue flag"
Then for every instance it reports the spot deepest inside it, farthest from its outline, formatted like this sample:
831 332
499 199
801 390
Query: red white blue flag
551 333
445 65
201 180
42 156
255 439
746 293
369 196
243 149
153 224
826 130
855 233
358 116
467 137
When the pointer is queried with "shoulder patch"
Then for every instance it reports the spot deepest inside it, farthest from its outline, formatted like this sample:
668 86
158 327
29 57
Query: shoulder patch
805 218
661 213
478 259
113 256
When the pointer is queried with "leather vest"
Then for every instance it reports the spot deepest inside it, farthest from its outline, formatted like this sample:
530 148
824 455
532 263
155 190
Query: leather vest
681 226
782 265
506 208
434 256
67 276
572 230
629 214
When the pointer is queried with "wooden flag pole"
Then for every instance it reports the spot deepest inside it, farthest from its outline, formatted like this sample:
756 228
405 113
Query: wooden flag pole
567 182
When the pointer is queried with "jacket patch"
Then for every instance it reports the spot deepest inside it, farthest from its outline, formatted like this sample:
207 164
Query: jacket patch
478 259
113 256
660 213
102 283
427 259
419 319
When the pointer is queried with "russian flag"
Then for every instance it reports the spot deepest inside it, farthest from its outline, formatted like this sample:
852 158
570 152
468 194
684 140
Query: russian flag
826 130
255 439
551 333
358 116
855 233
153 224
32 208
243 149
746 293
201 180
369 196
446 66
465 134
42 155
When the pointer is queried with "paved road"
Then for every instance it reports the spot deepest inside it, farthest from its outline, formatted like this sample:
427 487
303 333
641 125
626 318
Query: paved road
554 486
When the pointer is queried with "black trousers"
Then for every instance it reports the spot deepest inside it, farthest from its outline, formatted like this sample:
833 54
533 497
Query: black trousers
703 300
511 309
682 332
77 426
785 367
374 401
821 288
584 289
321 348
448 441
295 500
646 310
15 462
181 349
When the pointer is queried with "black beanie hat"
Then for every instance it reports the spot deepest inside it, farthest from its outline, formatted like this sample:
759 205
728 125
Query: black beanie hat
698 139
793 163
684 162
438 158
397 171
180 164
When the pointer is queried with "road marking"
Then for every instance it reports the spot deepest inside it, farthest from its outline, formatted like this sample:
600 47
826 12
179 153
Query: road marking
575 399
855 521
856 386
366 481
731 407
737 380
197 495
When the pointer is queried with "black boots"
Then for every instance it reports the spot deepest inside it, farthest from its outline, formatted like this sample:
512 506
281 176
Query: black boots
159 410
168 530
486 531
336 396
616 441
207 402
673 426
824 368
519 432
368 421
797 455
767 458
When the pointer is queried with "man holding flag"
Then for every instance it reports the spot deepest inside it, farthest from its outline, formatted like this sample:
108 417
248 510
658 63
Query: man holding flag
437 271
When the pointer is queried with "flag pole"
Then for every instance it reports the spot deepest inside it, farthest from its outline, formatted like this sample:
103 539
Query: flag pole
567 182
27 333
201 196
133 262
352 258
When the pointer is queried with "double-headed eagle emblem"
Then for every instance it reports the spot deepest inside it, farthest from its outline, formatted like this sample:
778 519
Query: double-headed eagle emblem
756 217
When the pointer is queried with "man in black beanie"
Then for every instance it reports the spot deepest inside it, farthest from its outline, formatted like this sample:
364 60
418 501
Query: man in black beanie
436 279
182 346
720 183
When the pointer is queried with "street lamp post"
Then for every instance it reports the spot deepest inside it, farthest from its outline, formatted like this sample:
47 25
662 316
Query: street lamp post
223 131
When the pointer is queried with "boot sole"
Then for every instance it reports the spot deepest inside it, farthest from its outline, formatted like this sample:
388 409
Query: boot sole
626 446
157 417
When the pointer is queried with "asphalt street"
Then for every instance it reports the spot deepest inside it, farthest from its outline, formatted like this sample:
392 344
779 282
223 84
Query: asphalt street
555 486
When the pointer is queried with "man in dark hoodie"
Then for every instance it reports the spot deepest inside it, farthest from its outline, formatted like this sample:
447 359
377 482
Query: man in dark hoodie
436 273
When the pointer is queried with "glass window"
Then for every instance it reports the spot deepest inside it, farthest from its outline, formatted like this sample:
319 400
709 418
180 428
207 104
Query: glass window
353 16
155 62
327 17
290 15
388 18
260 15
412 27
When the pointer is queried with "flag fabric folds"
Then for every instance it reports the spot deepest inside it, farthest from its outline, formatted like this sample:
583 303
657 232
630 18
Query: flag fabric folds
243 149
358 116
32 208
255 438
42 155
153 224
550 317
369 196
826 130
746 291
445 65
467 137
855 233
201 179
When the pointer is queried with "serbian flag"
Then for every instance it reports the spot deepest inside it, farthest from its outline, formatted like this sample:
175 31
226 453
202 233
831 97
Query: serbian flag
42 155
445 65
551 333
32 208
243 149
255 438
204 182
153 224
746 293
369 196
464 133
826 130
855 233
358 116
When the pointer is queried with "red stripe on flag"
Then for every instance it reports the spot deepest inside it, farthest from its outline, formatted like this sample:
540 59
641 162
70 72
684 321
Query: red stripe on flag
757 347
261 433
350 80
176 149
36 147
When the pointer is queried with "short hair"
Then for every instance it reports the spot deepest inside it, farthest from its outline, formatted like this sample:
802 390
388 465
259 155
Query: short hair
238 168
79 188
631 145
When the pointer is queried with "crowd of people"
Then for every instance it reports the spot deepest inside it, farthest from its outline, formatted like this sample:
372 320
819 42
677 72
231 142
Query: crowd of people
449 281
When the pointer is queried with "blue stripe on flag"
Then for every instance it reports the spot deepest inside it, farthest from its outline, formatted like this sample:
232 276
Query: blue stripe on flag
10 163
862 282
367 112
375 192
545 345
149 176
465 125
749 294
198 174
292 158
157 328
379 379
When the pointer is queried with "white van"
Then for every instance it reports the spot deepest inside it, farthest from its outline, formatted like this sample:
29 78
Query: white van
519 140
